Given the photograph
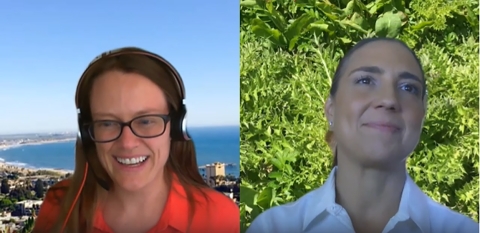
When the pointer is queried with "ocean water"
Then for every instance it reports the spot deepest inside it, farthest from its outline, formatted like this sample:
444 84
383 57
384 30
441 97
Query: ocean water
213 144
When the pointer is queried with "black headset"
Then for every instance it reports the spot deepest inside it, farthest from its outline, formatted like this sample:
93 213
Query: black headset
178 122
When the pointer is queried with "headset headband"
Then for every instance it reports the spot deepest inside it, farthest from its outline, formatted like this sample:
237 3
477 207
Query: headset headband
131 50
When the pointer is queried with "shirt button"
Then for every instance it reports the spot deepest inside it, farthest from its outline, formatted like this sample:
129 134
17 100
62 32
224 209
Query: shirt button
336 209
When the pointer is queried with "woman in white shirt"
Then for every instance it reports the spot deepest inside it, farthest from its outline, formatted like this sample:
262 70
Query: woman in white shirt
376 110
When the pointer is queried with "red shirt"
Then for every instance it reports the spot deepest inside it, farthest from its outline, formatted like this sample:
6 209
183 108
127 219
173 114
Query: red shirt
221 216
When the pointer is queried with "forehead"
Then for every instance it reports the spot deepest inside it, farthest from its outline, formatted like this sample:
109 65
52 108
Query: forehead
119 93
387 55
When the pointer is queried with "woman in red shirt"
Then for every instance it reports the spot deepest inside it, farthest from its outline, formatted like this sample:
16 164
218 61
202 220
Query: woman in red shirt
135 165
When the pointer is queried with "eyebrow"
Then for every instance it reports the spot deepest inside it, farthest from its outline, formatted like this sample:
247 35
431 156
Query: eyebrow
139 113
378 70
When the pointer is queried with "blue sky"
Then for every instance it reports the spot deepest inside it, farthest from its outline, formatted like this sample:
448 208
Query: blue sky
46 45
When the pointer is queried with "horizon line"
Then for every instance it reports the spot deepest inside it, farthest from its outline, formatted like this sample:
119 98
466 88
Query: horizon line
75 131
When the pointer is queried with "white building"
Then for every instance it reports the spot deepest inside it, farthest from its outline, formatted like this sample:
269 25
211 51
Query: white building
26 207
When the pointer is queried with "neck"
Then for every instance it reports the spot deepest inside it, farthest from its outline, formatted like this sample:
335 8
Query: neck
369 192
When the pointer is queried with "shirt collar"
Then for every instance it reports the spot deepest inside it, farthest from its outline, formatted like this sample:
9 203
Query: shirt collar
413 204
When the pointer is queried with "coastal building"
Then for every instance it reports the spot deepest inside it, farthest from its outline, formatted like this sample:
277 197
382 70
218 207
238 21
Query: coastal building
27 207
230 195
213 172
8 228
12 225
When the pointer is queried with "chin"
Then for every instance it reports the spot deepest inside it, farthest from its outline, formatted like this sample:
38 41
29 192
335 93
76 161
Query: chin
382 162
382 156
133 182
131 185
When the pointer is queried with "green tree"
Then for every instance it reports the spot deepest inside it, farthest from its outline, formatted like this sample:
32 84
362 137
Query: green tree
20 194
5 187
6 203
39 189
28 227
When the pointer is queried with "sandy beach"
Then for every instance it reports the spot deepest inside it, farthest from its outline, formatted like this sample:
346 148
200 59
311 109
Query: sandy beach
5 166
8 146
23 170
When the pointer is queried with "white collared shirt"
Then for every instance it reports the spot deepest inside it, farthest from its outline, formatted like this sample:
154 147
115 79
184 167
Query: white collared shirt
317 212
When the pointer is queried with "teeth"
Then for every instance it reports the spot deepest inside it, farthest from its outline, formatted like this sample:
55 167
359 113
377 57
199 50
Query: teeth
131 161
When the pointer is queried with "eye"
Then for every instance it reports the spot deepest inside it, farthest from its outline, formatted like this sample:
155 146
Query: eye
410 88
366 80
105 124
145 121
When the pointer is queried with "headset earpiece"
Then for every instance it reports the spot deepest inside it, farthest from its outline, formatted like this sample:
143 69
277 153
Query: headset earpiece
84 136
82 132
178 125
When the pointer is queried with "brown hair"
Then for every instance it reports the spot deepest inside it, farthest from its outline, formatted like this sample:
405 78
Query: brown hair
181 162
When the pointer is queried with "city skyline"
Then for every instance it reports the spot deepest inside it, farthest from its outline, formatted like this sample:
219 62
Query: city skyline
45 53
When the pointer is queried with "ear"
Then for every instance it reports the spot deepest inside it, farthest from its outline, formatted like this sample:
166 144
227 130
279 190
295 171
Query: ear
329 110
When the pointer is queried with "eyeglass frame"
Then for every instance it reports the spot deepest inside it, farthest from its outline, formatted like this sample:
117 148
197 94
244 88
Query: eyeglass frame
165 118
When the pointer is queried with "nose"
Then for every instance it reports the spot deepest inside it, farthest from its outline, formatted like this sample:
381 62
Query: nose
388 99
128 140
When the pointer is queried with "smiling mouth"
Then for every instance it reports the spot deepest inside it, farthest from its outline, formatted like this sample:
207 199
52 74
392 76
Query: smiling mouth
388 128
132 161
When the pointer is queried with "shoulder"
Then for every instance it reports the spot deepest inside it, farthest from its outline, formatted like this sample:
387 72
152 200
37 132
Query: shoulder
223 212
55 194
50 208
287 217
218 202
443 219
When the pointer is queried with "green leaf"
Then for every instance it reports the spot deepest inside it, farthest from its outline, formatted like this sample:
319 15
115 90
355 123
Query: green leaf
349 8
330 10
248 3
374 6
422 25
345 40
261 29
353 25
293 42
261 3
277 19
298 26
277 163
265 198
388 25
274 175
248 195
320 25
305 2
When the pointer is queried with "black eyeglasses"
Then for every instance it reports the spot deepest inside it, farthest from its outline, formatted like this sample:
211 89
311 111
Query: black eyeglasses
146 126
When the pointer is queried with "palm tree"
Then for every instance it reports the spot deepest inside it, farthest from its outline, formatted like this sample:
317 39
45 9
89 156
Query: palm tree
220 179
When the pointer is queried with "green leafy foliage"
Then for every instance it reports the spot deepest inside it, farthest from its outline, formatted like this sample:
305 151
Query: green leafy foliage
28 227
290 24
289 50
